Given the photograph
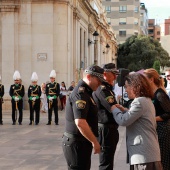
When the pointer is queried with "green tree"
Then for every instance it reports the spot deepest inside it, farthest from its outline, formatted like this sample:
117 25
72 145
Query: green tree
156 66
140 52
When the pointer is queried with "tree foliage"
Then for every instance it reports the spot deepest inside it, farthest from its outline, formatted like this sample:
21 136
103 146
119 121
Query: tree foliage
156 66
140 52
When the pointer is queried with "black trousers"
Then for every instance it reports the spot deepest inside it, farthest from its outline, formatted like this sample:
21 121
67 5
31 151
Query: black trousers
16 108
1 110
53 105
35 106
77 153
108 139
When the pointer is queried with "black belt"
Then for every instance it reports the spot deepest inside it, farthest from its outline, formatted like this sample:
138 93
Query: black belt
73 136
108 125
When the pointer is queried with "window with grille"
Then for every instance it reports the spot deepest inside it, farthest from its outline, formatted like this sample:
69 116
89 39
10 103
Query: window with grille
108 8
122 21
136 9
122 8
122 33
109 20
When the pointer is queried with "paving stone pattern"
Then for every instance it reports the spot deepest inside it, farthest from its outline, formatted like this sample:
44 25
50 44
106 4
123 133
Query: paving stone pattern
38 147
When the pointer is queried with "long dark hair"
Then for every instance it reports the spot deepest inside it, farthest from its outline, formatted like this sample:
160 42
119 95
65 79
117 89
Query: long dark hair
64 84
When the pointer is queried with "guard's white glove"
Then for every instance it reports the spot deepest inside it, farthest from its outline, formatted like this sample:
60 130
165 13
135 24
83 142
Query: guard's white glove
34 98
51 98
16 99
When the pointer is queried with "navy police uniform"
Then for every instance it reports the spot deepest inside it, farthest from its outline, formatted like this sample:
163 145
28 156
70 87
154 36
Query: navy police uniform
108 128
34 91
17 90
80 105
1 101
52 90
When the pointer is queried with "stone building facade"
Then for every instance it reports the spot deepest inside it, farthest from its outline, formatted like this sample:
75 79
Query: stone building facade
41 35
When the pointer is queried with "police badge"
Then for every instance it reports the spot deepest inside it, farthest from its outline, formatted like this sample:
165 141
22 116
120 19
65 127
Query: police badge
80 104
110 99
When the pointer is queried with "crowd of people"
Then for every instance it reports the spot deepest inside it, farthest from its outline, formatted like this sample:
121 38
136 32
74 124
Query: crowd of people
93 115
42 98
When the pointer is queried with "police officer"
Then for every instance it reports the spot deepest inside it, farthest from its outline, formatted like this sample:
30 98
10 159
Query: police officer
108 133
81 121
34 93
52 92
17 93
1 101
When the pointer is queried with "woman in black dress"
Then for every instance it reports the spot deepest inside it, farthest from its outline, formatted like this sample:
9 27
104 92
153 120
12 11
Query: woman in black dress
162 106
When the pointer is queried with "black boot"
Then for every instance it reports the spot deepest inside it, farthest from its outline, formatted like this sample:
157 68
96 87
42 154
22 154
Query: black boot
49 123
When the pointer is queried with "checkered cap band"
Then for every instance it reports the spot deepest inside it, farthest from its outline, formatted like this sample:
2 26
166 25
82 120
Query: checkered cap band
100 76
111 70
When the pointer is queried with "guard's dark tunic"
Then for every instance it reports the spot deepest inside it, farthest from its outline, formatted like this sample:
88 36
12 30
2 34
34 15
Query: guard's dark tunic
1 101
80 105
17 90
52 90
108 133
34 91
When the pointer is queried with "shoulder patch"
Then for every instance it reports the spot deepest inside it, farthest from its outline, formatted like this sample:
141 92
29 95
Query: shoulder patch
110 99
80 104
81 89
103 87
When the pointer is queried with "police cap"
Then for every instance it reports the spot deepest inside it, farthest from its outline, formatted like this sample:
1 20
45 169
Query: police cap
95 71
110 67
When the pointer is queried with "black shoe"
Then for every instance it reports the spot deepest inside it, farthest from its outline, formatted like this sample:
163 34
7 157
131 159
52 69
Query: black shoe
1 123
48 123
56 123
36 123
20 123
14 123
30 123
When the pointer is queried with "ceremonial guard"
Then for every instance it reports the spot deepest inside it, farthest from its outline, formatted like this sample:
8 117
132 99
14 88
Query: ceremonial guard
52 92
1 101
17 93
107 126
34 93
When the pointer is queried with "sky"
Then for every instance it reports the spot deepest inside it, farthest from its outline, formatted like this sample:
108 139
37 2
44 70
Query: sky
158 10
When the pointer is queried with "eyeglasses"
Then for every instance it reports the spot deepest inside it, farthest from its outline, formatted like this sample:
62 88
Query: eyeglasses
167 76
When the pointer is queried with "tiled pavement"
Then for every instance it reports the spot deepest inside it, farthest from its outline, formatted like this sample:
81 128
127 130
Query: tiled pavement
25 147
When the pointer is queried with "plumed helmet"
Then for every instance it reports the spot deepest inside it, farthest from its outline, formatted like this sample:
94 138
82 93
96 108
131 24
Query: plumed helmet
53 74
34 76
16 75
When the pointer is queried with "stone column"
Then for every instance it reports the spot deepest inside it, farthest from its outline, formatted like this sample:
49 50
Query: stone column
9 57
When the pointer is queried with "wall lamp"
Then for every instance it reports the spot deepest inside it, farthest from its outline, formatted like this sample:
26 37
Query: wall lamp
107 46
95 34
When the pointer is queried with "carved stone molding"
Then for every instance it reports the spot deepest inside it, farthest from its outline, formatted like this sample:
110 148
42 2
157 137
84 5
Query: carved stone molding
9 8
91 29
101 39
76 14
